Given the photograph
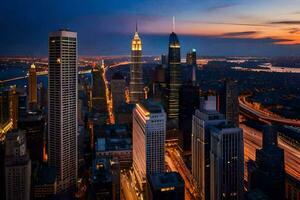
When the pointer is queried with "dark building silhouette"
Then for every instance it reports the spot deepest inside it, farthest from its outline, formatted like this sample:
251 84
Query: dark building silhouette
165 186
34 128
173 77
228 103
189 101
98 90
267 173
105 179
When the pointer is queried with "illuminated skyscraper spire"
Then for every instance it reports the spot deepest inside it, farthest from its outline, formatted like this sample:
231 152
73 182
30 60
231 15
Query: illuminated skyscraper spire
173 30
136 70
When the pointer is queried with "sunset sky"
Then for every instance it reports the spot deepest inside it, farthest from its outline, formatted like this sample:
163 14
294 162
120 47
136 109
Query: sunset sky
214 27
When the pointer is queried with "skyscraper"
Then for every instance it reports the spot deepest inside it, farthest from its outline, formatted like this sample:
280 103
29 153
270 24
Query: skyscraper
267 173
99 90
62 107
173 79
32 87
228 101
226 163
136 71
189 101
117 86
17 167
191 58
149 132
201 145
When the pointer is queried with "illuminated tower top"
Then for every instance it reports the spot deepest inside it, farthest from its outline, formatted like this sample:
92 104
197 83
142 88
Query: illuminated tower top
32 66
136 41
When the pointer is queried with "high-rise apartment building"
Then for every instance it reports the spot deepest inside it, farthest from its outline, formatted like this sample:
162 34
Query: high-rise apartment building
173 80
149 132
32 87
17 167
117 87
62 107
136 71
201 135
226 163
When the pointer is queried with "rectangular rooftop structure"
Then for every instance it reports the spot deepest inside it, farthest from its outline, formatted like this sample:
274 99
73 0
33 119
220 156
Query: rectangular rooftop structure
167 185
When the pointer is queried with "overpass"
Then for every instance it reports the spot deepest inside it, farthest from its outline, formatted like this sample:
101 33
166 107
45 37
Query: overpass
247 109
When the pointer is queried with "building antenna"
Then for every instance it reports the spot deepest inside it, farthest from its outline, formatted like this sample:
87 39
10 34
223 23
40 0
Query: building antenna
174 24
136 26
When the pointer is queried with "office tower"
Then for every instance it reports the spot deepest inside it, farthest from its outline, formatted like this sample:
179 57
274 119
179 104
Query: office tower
33 126
226 163
189 100
17 167
149 132
62 107
99 103
13 107
136 71
117 86
208 102
191 58
201 135
163 186
173 80
32 87
228 101
267 173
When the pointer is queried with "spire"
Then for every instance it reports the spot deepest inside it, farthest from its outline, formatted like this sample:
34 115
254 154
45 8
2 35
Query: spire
136 26
174 24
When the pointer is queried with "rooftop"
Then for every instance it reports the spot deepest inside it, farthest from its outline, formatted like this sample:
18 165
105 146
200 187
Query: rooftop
151 106
165 180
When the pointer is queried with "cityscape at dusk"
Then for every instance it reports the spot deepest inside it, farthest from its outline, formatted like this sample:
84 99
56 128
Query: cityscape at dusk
150 100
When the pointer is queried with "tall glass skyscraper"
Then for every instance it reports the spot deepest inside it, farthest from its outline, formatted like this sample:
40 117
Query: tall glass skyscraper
62 107
136 70
173 79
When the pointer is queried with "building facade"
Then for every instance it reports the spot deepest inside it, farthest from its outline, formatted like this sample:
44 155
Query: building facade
17 167
62 107
136 71
226 163
149 133
201 135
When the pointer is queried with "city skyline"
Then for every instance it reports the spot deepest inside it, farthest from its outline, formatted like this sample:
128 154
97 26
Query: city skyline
201 105
213 27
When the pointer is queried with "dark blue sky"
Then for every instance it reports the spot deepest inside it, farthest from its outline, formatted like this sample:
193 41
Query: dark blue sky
213 27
